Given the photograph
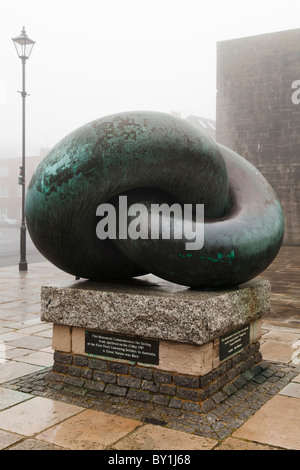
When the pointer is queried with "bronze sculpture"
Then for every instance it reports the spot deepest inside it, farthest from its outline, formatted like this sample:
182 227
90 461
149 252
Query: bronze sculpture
153 157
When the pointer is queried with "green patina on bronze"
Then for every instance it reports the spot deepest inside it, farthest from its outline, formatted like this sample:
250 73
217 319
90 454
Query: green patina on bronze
152 158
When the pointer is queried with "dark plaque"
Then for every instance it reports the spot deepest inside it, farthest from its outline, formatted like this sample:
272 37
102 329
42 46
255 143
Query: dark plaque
122 347
234 342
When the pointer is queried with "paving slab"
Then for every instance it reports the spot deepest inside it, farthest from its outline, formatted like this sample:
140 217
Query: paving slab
14 353
5 347
34 444
4 330
277 423
35 415
31 342
291 390
150 437
89 430
276 351
232 443
38 358
12 369
10 398
45 334
11 336
281 336
8 438
36 329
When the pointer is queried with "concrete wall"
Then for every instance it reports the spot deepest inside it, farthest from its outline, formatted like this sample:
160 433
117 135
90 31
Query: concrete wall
258 112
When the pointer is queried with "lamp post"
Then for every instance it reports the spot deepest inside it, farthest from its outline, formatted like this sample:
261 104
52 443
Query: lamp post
23 45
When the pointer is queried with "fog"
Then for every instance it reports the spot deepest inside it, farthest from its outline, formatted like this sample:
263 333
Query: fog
97 57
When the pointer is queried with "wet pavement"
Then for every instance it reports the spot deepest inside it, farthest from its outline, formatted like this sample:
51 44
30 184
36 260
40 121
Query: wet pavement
263 413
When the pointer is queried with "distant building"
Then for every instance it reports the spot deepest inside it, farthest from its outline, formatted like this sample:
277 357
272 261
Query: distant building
10 190
207 125
258 112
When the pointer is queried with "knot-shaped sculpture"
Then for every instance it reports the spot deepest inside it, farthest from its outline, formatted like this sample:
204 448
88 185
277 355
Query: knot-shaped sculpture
152 158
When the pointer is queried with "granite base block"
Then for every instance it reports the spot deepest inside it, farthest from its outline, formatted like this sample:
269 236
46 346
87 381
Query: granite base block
162 311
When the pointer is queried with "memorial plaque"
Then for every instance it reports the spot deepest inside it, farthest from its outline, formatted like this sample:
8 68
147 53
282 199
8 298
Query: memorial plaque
122 347
234 342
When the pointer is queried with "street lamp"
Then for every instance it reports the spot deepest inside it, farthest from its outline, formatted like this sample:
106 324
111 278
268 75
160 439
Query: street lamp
23 45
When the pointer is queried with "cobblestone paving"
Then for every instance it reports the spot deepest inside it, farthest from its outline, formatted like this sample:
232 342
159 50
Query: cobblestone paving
233 406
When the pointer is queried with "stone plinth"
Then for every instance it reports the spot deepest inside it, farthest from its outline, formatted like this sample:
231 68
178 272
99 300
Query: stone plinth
164 312
189 330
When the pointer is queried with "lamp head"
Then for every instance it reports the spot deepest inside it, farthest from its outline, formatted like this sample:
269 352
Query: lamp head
23 45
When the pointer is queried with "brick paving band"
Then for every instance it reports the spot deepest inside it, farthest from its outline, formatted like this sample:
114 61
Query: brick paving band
129 391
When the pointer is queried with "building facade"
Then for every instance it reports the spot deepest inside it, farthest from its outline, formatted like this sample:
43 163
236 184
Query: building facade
258 112
10 190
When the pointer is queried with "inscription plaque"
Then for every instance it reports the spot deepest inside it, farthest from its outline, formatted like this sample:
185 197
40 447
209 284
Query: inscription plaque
234 342
122 347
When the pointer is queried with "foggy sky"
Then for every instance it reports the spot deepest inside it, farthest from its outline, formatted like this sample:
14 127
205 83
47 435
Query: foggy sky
97 57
